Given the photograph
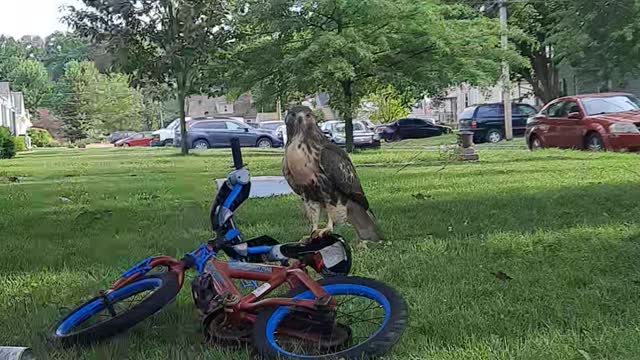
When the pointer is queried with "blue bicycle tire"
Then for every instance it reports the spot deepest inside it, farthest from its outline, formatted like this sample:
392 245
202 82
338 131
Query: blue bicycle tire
165 288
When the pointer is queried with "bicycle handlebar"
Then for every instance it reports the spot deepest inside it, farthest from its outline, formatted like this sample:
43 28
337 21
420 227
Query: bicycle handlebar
237 154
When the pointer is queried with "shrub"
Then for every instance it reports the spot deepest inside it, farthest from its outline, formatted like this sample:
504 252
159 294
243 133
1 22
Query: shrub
20 144
7 145
40 137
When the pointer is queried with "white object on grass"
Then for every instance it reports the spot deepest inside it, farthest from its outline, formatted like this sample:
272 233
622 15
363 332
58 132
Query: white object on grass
265 186
15 353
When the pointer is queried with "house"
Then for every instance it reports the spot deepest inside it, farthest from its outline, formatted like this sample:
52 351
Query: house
13 113
203 105
445 109
574 81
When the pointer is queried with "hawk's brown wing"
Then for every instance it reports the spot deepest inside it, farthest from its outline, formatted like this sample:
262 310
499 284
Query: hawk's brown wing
338 168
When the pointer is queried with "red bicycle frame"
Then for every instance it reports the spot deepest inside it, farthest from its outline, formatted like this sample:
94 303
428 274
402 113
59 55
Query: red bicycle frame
224 273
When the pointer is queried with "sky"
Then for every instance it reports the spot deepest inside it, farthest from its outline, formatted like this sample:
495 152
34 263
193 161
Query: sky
31 17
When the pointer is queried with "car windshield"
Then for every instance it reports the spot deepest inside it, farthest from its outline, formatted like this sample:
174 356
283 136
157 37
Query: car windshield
174 124
610 105
357 126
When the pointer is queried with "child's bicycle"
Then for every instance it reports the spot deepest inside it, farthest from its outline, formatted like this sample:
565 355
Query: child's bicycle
338 317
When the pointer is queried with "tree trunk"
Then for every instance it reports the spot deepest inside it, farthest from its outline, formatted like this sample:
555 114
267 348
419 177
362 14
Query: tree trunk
546 81
183 124
348 114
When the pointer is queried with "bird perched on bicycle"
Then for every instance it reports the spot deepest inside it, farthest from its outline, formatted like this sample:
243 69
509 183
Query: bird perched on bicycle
324 176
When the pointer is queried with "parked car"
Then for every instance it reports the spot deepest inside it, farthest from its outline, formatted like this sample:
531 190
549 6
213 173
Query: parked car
164 137
370 125
137 139
592 122
269 125
411 129
362 136
487 121
119 135
204 134
281 133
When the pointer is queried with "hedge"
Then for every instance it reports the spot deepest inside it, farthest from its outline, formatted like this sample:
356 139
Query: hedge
7 144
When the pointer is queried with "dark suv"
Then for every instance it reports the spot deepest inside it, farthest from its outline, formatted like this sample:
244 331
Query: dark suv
204 134
487 121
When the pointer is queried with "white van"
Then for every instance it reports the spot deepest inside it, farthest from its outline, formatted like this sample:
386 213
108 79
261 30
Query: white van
166 134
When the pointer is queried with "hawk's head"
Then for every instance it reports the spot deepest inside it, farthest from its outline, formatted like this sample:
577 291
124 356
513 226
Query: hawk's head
301 119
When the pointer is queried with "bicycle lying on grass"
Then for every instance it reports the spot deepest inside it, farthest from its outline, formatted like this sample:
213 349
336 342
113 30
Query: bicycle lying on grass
338 317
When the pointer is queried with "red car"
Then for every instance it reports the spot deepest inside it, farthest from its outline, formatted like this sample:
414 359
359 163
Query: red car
139 139
594 122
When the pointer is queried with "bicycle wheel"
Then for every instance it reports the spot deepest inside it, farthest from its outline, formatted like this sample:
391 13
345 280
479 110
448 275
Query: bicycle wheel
369 319
129 305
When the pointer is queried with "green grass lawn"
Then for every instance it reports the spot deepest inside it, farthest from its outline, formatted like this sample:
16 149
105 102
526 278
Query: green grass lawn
564 225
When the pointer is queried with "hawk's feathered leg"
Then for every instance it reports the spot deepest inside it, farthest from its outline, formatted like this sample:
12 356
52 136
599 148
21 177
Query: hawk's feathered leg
313 209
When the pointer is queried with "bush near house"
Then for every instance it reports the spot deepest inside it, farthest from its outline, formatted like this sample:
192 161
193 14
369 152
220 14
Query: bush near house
20 143
7 145
40 137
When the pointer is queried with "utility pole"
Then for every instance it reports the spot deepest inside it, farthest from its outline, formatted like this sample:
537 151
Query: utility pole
506 76
279 108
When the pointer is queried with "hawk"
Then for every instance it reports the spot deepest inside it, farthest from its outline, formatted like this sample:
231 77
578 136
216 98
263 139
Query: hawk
324 176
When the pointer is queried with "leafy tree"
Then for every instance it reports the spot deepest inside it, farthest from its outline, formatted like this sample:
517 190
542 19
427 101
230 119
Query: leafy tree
61 48
174 41
531 26
388 105
89 102
33 45
113 104
599 38
31 77
349 47
70 100
11 54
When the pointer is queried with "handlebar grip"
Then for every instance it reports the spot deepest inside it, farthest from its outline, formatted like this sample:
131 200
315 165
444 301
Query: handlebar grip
237 154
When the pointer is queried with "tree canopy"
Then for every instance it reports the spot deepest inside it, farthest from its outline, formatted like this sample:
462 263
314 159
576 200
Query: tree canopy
90 103
349 47
176 42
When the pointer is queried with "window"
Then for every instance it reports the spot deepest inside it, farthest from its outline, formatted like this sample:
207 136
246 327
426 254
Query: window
209 125
521 109
486 111
612 104
555 110
358 126
137 136
571 107
224 108
174 124
234 126
421 122
467 114
563 109
404 122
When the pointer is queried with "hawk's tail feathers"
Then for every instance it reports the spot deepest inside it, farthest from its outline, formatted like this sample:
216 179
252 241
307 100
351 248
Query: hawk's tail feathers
363 222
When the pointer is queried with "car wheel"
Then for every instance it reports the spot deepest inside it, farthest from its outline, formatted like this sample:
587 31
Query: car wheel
125 145
200 145
535 143
494 136
594 143
168 142
264 143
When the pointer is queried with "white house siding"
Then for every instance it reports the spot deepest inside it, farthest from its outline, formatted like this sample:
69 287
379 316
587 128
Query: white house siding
13 114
